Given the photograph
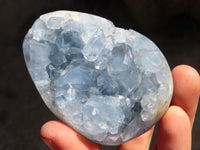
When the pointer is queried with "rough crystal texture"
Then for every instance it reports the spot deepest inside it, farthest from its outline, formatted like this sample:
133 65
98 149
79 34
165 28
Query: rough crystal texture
108 83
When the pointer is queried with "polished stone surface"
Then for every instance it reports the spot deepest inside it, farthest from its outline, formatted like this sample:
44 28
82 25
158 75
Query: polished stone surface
108 83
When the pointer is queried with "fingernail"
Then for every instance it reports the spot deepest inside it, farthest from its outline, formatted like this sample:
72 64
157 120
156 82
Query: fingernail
50 143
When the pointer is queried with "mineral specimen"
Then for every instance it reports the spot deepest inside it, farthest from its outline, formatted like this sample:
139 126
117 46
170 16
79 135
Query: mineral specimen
108 83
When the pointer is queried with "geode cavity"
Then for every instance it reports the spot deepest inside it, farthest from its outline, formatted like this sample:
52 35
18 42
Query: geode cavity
108 83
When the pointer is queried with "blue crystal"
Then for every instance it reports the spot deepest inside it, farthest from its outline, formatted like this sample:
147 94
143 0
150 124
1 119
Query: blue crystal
108 83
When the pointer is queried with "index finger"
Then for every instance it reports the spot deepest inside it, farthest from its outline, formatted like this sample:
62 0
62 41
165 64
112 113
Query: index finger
186 89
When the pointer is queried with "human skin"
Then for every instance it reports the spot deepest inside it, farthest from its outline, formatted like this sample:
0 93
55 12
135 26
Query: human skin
174 129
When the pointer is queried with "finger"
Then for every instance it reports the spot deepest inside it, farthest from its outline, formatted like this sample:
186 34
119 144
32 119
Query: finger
186 89
174 130
140 143
59 136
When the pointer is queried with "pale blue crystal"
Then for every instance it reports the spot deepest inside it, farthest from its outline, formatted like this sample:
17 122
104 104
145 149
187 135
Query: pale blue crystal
108 83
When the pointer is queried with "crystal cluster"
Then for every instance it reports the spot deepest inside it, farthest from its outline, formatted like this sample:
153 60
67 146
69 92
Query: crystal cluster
108 83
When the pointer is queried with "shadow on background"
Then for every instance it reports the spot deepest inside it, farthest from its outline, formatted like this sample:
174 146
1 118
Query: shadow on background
173 26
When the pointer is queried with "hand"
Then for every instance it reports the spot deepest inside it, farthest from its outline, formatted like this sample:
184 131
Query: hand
174 129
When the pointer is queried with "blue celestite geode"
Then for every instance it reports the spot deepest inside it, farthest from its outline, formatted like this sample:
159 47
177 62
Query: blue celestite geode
108 83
